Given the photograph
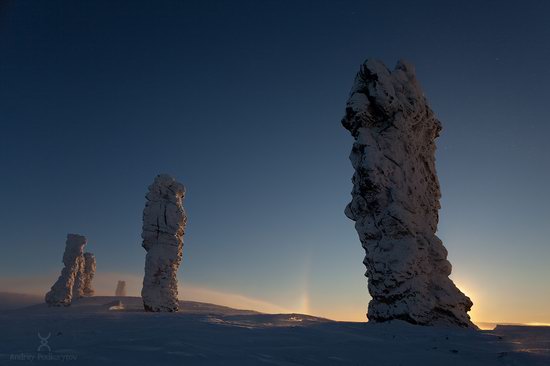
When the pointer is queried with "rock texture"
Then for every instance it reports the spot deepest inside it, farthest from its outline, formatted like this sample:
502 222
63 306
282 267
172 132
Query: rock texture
88 274
164 223
84 276
395 199
120 288
78 286
61 293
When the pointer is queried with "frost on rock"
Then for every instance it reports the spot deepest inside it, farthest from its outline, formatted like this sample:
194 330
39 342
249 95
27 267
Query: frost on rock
78 286
395 199
84 275
88 274
120 288
163 228
61 293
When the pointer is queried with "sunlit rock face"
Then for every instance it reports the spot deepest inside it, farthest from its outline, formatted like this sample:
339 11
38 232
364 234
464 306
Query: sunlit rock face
78 286
395 199
164 223
61 293
84 275
88 274
120 288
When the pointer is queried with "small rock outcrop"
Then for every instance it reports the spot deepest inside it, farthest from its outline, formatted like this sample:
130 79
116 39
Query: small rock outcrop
120 288
88 274
395 199
61 293
164 223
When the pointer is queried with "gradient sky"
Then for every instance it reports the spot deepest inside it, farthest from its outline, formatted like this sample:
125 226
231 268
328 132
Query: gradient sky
242 101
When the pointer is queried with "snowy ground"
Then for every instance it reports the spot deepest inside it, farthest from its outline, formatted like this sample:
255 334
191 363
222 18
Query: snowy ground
89 333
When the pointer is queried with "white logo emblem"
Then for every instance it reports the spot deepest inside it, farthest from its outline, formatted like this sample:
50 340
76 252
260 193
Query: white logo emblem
44 342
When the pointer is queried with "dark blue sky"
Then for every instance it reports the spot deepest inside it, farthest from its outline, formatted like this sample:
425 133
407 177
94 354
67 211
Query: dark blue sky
242 101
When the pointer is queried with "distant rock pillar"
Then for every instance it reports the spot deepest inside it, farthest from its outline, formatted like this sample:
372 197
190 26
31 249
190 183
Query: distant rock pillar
61 293
395 199
120 288
164 223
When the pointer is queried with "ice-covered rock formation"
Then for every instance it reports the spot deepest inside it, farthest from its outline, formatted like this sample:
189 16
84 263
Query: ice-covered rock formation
163 228
395 199
61 293
84 275
120 288
78 286
88 274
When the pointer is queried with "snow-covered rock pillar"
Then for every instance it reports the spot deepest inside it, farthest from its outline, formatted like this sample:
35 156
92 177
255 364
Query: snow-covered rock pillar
84 276
163 228
88 274
395 199
61 293
78 286
120 288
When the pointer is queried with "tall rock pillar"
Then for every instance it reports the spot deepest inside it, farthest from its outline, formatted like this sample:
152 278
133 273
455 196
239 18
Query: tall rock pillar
120 288
395 199
61 293
88 274
164 223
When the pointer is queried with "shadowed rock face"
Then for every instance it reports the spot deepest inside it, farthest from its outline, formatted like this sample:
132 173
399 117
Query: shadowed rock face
395 199
88 274
61 293
120 288
163 228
